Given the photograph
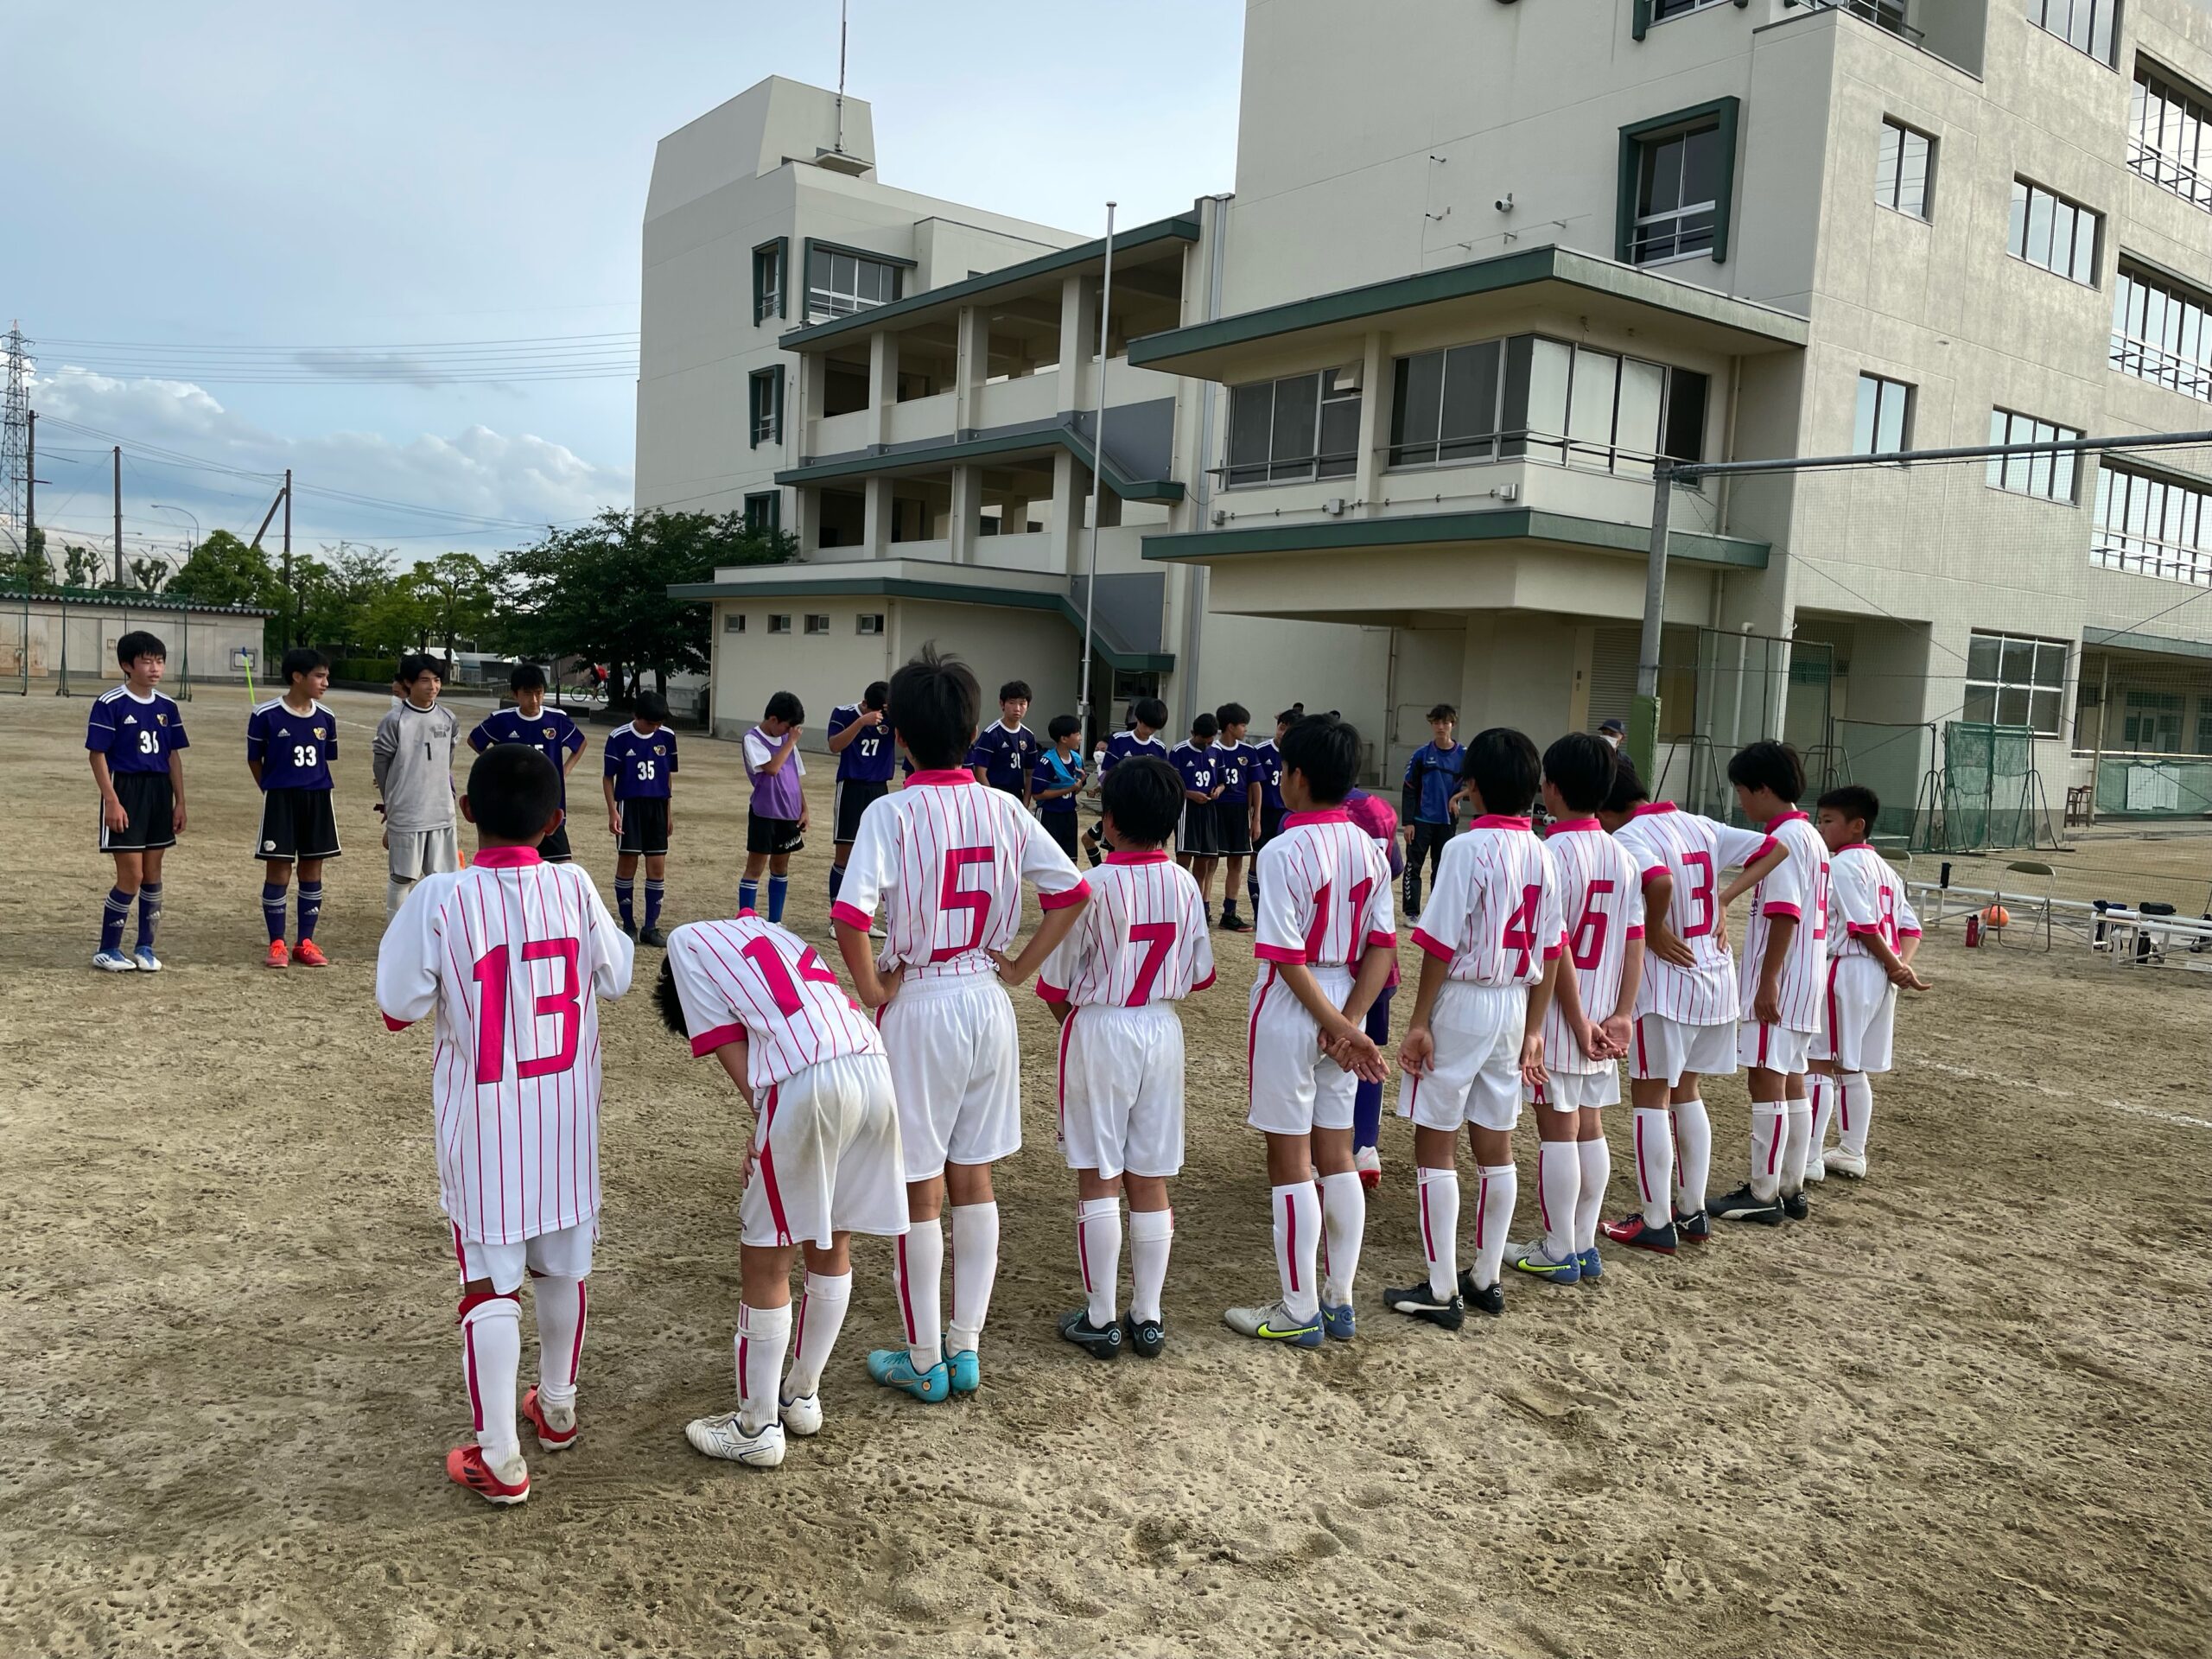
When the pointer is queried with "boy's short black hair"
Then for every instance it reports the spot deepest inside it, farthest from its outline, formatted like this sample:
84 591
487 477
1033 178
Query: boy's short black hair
1233 714
1628 791
416 664
1063 726
1502 764
665 1000
1013 691
1581 766
1769 765
1443 711
933 704
877 691
651 705
1291 715
302 660
1149 711
139 643
1204 725
526 677
1326 751
1144 796
787 706
1852 801
513 793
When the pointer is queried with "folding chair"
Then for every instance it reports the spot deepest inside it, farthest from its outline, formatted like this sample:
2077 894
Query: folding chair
2043 902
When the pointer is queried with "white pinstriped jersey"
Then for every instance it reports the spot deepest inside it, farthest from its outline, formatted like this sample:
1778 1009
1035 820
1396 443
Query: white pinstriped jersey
1493 910
1142 939
945 857
1797 887
1601 909
1685 848
1325 892
1867 895
512 954
746 981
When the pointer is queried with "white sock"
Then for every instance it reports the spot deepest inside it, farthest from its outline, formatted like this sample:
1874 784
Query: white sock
491 1356
394 895
821 1317
1693 1154
1655 1166
1559 1189
1767 1136
1857 1110
561 1306
1344 1216
1298 1232
1821 1090
1497 1191
763 1333
1440 1229
1151 1234
975 1270
1098 1254
1596 1170
917 1262
1798 1144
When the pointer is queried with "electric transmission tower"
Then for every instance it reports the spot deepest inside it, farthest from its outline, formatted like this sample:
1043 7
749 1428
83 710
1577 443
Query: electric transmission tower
16 437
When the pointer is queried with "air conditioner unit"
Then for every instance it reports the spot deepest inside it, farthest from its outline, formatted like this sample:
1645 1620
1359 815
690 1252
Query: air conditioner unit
1220 516
1507 491
1335 508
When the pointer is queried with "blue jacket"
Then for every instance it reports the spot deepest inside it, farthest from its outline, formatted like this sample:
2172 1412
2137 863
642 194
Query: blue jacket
1432 779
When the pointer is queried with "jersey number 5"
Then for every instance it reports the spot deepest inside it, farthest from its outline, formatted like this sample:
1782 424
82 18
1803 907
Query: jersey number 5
953 896
490 973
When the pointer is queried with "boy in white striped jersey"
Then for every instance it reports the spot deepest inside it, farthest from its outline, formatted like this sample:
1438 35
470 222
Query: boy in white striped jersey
1139 949
511 954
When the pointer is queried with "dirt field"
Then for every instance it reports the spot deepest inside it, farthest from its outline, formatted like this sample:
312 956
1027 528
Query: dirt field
1961 1411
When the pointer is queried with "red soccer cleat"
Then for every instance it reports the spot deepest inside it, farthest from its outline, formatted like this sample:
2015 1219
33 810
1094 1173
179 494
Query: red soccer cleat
278 956
466 1466
1636 1232
307 954
552 1439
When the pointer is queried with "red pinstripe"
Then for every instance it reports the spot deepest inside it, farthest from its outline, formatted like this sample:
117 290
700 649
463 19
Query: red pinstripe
576 1350
1290 1226
1083 1249
1427 1235
768 1171
906 1299
1642 1186
475 1399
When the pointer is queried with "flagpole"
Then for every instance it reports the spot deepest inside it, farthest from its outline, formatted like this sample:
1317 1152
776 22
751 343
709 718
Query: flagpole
1097 469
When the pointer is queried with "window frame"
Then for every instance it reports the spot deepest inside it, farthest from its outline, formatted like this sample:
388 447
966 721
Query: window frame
780 622
2022 214
1302 469
817 624
2017 474
771 520
2166 168
733 622
2151 524
861 619
2039 14
1910 397
833 252
765 428
1888 192
1998 682
1726 113
774 257
2172 349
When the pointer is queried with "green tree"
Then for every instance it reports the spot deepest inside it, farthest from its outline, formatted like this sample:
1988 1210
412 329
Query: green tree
223 570
26 565
459 591
81 567
149 575
398 618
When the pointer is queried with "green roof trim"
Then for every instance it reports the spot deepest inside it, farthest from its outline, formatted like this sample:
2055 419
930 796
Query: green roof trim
1420 530
955 593
2129 639
1182 227
121 600
955 453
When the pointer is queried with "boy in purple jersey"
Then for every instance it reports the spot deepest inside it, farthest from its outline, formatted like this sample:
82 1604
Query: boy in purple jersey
1005 751
1147 719
1232 816
548 731
289 744
134 736
638 779
1196 844
775 822
861 739
1266 792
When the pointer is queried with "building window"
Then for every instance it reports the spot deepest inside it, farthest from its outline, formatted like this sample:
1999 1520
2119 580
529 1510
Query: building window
2166 140
734 622
1679 178
1904 177
1662 9
765 388
839 284
1303 426
2162 332
1885 423
2050 475
816 622
2048 230
764 513
2015 682
779 624
1882 14
2090 26
2152 723
768 262
2152 527
1502 399
868 622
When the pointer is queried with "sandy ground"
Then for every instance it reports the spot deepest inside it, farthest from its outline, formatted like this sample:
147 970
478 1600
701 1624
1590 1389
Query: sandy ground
1963 1410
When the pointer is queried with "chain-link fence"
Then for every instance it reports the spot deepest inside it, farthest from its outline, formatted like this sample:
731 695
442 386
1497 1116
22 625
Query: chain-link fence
63 642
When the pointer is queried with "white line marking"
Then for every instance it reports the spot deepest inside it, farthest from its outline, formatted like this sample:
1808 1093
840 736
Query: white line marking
2180 1120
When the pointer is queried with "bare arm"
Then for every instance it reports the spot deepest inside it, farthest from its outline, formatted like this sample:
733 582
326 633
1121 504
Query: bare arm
1375 964
1618 1023
1419 1050
1766 1007
787 748
176 788
1532 1028
613 812
1660 939
842 738
111 812
1895 963
1059 922
1568 993
872 988
1753 873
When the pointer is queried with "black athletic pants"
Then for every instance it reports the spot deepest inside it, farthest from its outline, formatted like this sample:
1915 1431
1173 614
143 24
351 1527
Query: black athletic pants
1428 840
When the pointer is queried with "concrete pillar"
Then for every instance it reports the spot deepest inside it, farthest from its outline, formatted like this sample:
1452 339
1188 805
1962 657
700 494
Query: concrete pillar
972 367
1374 428
876 532
1070 492
812 375
967 514
803 523
1078 339
882 383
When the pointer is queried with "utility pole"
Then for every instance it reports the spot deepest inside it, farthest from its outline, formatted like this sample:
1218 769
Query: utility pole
30 481
119 515
291 598
15 432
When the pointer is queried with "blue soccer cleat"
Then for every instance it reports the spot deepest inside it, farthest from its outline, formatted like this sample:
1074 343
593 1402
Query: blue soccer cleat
146 960
894 1369
1337 1324
1274 1323
967 1371
1590 1266
113 962
1539 1263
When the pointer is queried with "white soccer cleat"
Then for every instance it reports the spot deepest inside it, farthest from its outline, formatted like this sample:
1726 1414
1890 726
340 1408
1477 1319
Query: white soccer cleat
1849 1164
725 1437
146 960
803 1416
1816 1168
113 962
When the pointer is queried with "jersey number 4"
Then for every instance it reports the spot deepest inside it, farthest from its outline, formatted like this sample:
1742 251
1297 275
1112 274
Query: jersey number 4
768 962
491 972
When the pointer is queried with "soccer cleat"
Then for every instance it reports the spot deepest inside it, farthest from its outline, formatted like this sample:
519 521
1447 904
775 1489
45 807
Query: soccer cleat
1337 1323
1743 1204
1274 1323
966 1371
1534 1260
1420 1302
1077 1328
146 960
1483 1299
653 937
1367 1161
1232 922
1146 1337
556 1426
1638 1234
113 962
1795 1207
1816 1168
278 956
1693 1230
725 1437
1849 1165
629 929
802 1416
308 954
1590 1266
894 1369
467 1465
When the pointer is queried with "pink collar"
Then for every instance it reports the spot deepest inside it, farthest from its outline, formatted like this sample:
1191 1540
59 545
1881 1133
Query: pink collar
1790 817
1573 826
1855 846
941 778
1151 856
1649 807
1328 815
507 858
1499 820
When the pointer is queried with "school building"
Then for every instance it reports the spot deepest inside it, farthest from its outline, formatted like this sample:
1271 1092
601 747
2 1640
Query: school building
1380 424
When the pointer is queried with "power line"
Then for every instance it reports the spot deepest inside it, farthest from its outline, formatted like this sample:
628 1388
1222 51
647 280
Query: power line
394 345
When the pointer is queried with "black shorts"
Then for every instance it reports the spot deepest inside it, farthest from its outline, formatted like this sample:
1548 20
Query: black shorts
554 850
1061 827
150 805
644 825
1270 824
854 797
297 823
772 836
1232 827
1198 837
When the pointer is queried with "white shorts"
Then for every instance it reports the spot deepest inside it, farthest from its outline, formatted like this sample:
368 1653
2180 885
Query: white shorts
1858 1015
1475 1075
1295 1088
562 1254
826 1157
1776 1048
1121 1091
1570 1091
418 852
956 1067
1664 1048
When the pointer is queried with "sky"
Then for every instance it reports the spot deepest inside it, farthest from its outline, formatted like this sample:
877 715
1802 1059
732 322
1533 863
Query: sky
395 247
